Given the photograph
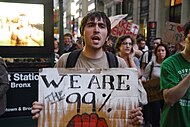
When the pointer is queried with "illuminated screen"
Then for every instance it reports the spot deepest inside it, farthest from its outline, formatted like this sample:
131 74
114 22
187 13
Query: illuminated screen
26 28
22 25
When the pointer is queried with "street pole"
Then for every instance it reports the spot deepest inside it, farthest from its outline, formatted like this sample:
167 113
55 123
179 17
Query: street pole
73 29
61 30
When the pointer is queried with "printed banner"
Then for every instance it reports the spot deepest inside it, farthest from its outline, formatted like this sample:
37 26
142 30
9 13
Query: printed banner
173 33
83 97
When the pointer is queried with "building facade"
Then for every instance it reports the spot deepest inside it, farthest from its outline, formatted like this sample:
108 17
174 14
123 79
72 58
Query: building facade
140 12
143 11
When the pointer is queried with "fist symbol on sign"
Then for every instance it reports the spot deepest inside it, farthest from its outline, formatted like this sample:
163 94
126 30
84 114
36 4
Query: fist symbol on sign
86 120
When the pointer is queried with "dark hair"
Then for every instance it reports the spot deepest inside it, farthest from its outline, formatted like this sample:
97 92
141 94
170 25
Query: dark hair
68 35
157 39
121 39
92 16
166 48
112 38
79 40
186 28
140 36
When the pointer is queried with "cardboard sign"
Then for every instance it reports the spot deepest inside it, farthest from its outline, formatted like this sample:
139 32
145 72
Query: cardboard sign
83 97
124 27
120 27
116 19
173 33
152 88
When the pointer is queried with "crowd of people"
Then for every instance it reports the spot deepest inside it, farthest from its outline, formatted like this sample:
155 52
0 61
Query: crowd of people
152 63
95 29
167 67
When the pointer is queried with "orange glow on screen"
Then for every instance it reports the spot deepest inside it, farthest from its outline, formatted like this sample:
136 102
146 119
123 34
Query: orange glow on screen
21 24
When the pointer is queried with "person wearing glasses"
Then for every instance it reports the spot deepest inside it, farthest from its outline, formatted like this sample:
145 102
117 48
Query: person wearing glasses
149 55
124 47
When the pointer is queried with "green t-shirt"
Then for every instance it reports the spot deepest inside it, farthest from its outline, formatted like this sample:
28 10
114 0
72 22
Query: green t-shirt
173 70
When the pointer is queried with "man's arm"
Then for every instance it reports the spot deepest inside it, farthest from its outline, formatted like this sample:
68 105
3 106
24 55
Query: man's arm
173 94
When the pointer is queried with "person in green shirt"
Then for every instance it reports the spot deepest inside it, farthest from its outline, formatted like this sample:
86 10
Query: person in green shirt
175 84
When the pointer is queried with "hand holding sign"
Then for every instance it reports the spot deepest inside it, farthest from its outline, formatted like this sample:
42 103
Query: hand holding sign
36 108
101 98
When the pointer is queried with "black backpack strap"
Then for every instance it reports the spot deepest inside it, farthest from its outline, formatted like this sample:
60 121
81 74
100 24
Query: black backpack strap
72 58
112 60
151 69
149 55
141 58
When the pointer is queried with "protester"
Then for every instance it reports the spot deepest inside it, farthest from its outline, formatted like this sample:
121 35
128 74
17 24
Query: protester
4 86
138 53
149 55
56 49
109 45
152 110
95 28
172 48
175 83
141 43
69 44
124 47
79 43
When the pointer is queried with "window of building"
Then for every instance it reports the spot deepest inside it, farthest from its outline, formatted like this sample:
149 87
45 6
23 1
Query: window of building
175 11
127 7
175 2
109 11
118 8
130 7
80 10
144 7
144 11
